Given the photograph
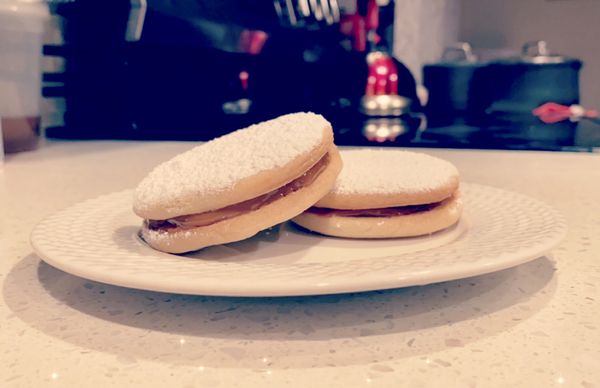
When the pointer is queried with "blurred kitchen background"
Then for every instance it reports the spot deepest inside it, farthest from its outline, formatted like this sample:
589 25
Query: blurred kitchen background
504 74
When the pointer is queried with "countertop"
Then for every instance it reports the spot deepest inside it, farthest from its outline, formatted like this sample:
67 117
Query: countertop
537 324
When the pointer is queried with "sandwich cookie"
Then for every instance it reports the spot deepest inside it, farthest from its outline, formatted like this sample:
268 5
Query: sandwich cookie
232 187
387 193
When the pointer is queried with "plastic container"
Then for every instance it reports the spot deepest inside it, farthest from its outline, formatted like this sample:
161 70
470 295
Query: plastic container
22 25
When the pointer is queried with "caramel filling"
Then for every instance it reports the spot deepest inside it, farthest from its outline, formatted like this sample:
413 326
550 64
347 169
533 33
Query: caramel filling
214 216
380 212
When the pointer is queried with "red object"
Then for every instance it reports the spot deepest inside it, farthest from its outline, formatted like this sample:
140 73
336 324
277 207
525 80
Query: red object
252 42
347 24
371 81
372 18
359 34
393 88
359 27
244 79
552 112
383 75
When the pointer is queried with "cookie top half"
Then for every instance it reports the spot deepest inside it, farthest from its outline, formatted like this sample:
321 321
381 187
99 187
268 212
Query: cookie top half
233 168
373 179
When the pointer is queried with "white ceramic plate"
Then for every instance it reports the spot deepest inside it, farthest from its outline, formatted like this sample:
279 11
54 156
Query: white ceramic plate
98 240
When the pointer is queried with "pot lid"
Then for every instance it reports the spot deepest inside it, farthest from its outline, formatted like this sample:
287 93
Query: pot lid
457 55
459 52
537 52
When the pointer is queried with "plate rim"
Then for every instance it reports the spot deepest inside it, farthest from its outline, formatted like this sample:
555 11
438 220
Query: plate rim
380 281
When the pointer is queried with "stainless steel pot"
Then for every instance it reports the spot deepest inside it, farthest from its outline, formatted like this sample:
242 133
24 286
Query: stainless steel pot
463 89
520 84
454 86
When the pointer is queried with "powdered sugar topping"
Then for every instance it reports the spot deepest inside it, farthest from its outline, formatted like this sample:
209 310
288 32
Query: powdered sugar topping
368 171
216 166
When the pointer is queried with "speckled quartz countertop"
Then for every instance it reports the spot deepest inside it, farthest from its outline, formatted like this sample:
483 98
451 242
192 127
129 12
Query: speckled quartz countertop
535 325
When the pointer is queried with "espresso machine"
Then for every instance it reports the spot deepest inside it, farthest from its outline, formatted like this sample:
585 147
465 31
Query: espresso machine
164 69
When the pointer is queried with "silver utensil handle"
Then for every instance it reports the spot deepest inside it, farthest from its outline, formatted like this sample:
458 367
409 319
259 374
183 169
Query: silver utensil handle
135 22
307 13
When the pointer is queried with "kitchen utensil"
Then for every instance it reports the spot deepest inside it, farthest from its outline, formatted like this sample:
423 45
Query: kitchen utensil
382 95
307 13
551 113
381 91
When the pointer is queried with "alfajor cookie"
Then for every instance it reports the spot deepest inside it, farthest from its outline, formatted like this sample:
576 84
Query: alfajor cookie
232 187
387 193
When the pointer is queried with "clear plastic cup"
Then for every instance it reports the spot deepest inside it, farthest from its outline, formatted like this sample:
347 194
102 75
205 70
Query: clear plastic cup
22 24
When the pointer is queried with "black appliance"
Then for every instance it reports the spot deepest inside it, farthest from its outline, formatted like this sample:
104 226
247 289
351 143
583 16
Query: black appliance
164 69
